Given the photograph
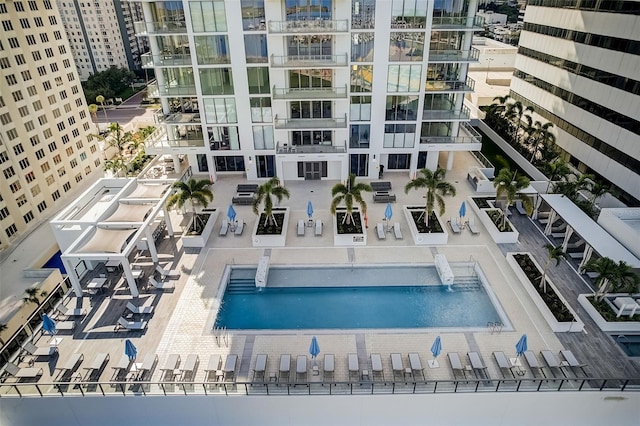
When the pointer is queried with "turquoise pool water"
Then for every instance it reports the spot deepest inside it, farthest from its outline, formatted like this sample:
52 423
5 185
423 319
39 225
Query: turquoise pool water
377 298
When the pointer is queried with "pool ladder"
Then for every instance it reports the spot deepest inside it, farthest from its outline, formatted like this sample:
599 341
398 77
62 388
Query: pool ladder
221 335
495 327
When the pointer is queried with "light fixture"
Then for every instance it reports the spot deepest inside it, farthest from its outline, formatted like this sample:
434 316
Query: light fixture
250 160
374 158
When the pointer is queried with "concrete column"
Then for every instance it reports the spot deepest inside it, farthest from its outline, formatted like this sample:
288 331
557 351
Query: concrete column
126 268
567 235
167 221
432 160
151 244
73 277
450 160
176 162
552 218
588 252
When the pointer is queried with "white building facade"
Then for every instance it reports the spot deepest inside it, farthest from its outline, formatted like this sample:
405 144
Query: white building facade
311 89
577 65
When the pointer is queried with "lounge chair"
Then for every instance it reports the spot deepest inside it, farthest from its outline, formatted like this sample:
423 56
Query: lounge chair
121 368
285 366
168 273
571 360
318 228
96 364
503 363
22 373
471 223
380 231
213 366
78 312
224 228
69 366
139 309
354 365
160 285
533 363
416 365
301 228
479 369
39 351
329 364
397 232
188 369
170 366
456 365
149 363
261 366
65 325
397 365
239 227
130 325
552 362
376 366
453 223
301 367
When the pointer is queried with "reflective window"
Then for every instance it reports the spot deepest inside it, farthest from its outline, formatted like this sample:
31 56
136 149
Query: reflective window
314 137
232 163
304 10
252 15
258 80
362 47
359 137
401 108
261 110
398 161
216 81
404 78
310 78
223 138
406 46
311 109
409 13
363 13
446 40
220 110
399 135
207 15
212 49
309 45
360 108
441 101
359 164
255 48
263 137
265 166
361 78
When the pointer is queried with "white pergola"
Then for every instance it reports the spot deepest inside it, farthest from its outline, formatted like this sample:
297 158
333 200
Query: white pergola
595 237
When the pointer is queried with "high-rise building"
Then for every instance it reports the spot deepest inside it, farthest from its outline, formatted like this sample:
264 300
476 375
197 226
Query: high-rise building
44 122
101 34
311 89
577 65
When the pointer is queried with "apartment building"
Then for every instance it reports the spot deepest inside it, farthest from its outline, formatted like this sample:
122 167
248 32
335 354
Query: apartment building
577 65
44 121
311 89
101 34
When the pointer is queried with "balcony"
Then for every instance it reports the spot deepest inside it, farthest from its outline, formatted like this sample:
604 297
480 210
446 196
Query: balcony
308 27
310 123
448 56
164 27
176 118
462 114
466 134
323 148
438 86
461 23
152 90
309 61
174 90
309 93
149 61
161 140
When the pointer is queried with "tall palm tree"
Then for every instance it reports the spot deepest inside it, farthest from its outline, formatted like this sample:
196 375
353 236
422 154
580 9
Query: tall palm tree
509 185
516 111
264 195
553 253
541 138
597 190
606 269
33 295
194 192
349 192
436 189
556 170
100 100
93 110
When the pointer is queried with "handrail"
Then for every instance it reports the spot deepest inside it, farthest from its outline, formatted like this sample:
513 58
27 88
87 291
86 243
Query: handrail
410 386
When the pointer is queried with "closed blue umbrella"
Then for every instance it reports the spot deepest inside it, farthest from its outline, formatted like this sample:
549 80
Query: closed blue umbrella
463 209
521 346
231 213
388 213
48 325
130 350
436 348
314 348
309 209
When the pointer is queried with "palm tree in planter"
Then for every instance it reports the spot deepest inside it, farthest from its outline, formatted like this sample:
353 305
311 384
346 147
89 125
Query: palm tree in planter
619 276
264 194
33 295
553 253
509 185
194 192
349 193
436 189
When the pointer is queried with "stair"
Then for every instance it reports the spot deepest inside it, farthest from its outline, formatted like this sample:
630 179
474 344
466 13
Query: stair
469 283
241 286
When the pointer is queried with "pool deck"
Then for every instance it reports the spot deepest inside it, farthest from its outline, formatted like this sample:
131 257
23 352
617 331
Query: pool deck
183 319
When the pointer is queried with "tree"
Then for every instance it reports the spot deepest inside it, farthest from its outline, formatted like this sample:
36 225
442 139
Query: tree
93 110
597 190
540 138
194 192
264 194
516 111
120 140
509 185
556 170
553 253
100 100
436 189
619 276
33 295
349 193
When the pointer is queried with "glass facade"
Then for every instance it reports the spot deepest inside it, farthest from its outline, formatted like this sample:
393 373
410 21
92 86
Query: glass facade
216 81
258 80
220 110
404 78
252 15
212 49
255 48
362 47
207 16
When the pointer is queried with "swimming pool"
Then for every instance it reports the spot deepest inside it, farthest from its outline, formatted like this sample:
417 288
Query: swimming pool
352 298
629 343
55 262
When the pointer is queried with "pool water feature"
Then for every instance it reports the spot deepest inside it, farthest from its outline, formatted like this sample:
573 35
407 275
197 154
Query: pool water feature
629 343
370 297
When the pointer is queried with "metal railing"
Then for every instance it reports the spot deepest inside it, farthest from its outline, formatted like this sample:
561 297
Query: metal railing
149 61
450 86
309 92
311 149
82 388
482 159
310 26
475 23
177 118
309 60
446 114
470 55
159 27
310 123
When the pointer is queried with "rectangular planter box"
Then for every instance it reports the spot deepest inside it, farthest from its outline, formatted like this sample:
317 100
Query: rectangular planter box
272 240
604 325
497 236
556 326
349 239
433 239
199 241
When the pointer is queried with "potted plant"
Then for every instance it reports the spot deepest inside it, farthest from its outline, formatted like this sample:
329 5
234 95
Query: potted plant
349 221
270 229
194 192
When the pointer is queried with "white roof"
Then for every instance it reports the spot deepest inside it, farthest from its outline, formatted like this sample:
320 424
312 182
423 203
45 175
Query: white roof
601 241
130 213
148 191
106 241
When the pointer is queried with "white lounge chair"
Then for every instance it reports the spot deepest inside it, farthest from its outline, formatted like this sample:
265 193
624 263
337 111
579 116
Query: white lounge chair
416 365
79 312
160 285
39 351
354 365
533 363
329 364
239 227
318 228
224 228
131 325
503 363
453 223
376 366
23 373
397 366
168 273
456 364
301 228
261 366
139 309
380 231
471 223
285 366
397 232
572 361
301 367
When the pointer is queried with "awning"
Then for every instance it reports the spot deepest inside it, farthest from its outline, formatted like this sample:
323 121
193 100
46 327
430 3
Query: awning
106 241
130 213
148 191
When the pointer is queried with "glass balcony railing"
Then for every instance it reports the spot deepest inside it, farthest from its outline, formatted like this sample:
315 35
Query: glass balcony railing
176 90
462 23
446 114
177 118
470 55
295 61
439 86
161 139
309 93
149 61
322 148
310 26
142 28
310 123
153 91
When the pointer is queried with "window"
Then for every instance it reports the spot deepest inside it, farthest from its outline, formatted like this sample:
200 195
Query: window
74 163
57 159
398 161
52 146
8 172
31 90
61 172
258 80
220 110
12 134
212 49
26 76
17 95
40 154
20 59
23 111
400 108
35 190
216 81
404 78
78 177
66 187
208 16
15 187
362 47
7 25
42 206
31 40
4 213
11 230
263 137
5 118
55 195
361 78
14 44
359 137
360 108
230 163
30 177
359 164
21 200
18 149
24 163
28 217
37 106
11 79
255 48
261 110
265 166
69 150
50 180
24 23
44 38
399 135
34 140
4 63
3 157
46 85
36 55
45 167
19 6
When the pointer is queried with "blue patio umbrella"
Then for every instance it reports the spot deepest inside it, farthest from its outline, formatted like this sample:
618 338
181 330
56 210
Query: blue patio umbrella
48 325
388 213
309 209
436 348
521 346
463 209
314 348
231 213
130 350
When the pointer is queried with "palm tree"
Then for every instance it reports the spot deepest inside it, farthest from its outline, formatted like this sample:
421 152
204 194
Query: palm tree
194 192
606 269
541 138
516 111
509 185
264 193
597 190
553 253
33 295
436 188
100 100
556 170
93 110
349 193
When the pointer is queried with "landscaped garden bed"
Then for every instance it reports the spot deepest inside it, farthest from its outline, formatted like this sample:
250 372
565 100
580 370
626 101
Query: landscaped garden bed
604 314
349 234
483 202
271 234
491 218
423 234
199 230
553 307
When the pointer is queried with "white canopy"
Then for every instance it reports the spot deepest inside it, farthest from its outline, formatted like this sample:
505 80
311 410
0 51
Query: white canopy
147 191
106 241
130 213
